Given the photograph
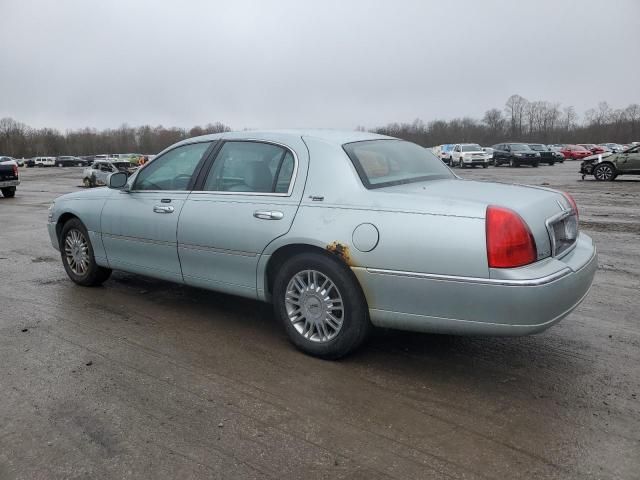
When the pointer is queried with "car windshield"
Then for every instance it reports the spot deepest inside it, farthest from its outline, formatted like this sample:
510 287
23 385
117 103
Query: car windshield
537 147
518 147
579 148
471 148
382 163
122 165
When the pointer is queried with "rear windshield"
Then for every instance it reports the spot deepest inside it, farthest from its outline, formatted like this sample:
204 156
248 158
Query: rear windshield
382 163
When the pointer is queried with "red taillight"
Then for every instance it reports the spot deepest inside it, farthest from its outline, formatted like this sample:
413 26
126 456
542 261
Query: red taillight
15 170
572 202
509 240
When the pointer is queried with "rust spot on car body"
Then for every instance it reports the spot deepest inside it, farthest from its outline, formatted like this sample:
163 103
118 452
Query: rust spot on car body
341 251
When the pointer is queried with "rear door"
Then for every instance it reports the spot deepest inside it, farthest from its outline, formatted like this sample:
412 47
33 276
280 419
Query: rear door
139 226
248 198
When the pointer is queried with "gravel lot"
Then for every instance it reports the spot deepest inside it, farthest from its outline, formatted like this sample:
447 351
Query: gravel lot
146 379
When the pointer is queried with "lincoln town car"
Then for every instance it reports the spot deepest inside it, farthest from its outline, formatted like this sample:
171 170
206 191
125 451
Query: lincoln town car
341 231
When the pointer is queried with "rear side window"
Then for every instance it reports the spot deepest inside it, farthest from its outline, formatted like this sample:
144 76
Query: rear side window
251 167
382 163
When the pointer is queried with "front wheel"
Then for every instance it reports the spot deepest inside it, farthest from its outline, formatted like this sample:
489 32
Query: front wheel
536 164
321 305
604 172
460 163
9 192
88 182
77 256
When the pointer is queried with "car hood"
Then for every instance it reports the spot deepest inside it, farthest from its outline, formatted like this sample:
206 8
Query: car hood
597 156
89 194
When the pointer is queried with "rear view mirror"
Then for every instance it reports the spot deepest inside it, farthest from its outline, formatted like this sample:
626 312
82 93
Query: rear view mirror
117 180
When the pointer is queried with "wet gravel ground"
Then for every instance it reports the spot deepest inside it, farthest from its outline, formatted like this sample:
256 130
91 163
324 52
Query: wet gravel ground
146 379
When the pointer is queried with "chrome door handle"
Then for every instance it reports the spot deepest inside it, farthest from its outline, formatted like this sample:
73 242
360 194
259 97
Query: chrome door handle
163 209
268 215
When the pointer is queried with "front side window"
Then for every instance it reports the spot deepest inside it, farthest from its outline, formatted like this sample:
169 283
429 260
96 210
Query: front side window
173 170
251 167
382 163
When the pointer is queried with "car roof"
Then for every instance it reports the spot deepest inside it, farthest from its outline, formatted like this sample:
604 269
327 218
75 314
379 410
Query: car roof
337 137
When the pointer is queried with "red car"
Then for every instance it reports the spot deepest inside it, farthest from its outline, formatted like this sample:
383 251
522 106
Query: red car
593 148
575 152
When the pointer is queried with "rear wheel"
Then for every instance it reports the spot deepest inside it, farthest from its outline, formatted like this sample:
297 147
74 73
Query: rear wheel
88 182
9 192
604 172
321 305
77 255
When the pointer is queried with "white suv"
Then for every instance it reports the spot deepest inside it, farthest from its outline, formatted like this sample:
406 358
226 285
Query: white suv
469 155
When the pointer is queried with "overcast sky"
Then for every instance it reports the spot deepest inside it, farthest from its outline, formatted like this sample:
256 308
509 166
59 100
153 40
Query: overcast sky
315 63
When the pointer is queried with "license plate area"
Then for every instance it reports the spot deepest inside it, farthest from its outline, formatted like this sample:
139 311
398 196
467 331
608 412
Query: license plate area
563 232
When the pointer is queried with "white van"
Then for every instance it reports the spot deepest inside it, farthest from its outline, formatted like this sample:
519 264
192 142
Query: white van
44 161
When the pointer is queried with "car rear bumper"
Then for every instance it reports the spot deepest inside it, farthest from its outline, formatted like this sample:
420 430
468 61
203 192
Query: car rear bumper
9 183
522 301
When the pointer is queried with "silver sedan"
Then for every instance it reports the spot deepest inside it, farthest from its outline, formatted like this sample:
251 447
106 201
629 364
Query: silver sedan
340 231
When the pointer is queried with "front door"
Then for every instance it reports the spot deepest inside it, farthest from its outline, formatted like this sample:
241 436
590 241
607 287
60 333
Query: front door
139 225
630 160
246 200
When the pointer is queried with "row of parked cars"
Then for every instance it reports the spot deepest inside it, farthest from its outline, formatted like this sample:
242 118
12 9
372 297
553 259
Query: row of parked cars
514 154
84 161
465 154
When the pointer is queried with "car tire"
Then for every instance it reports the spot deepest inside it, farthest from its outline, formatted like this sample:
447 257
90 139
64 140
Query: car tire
604 172
88 182
484 165
313 282
8 192
512 163
551 164
461 164
77 256
536 164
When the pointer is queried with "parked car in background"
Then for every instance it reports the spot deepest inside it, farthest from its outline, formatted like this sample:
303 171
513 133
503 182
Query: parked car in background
254 214
489 151
547 155
574 152
70 161
9 176
19 161
515 155
44 161
99 172
469 155
606 167
443 152
593 148
614 147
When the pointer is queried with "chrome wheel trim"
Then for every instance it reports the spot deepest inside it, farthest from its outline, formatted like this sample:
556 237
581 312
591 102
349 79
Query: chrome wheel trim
76 251
314 306
604 172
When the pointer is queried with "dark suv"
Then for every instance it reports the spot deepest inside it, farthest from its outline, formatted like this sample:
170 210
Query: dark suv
546 154
515 154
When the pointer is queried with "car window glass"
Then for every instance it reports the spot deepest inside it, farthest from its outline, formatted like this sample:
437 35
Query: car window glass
251 167
173 170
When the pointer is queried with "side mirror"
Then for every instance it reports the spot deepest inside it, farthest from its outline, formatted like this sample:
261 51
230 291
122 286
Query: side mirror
117 180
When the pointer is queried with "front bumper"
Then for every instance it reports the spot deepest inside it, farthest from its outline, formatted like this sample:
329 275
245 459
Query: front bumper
521 301
9 183
53 235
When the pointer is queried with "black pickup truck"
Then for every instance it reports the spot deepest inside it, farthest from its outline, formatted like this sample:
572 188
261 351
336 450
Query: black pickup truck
9 179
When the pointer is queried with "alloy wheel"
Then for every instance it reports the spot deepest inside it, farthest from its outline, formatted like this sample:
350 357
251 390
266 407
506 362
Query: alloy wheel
76 251
603 172
314 306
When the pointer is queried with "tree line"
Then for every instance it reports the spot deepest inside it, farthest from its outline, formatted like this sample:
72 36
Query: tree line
18 140
527 121
519 120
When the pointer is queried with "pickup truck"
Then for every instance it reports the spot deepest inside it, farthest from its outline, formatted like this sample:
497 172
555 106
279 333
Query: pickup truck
9 179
